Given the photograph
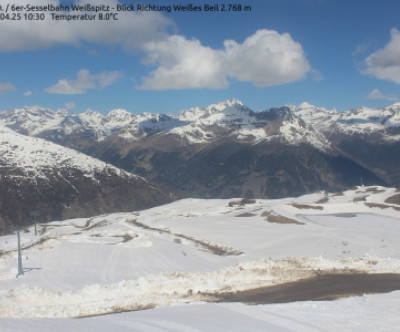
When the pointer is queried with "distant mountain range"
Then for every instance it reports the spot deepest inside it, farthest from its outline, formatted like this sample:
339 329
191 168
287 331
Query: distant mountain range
291 124
227 149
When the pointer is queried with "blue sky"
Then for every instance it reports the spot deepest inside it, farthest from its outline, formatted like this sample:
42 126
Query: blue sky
330 53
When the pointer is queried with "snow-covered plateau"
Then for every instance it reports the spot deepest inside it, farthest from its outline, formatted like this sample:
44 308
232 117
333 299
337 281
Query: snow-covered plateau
166 268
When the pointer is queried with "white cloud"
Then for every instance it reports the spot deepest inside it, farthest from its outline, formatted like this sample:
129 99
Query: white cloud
385 63
28 93
6 87
83 82
107 78
377 94
183 64
265 58
71 105
130 31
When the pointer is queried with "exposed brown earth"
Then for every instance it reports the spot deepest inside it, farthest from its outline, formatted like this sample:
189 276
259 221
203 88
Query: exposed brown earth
395 199
304 206
381 206
271 216
324 287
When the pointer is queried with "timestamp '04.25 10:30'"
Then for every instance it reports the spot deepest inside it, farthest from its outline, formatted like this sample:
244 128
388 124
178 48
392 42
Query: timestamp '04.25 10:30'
20 16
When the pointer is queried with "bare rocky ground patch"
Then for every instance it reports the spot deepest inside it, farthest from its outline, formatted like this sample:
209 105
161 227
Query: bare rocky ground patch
305 206
273 217
382 206
395 199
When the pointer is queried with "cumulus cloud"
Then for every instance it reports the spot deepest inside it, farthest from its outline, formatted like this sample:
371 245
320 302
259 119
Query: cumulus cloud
6 87
266 58
182 64
28 93
83 82
377 94
385 63
131 30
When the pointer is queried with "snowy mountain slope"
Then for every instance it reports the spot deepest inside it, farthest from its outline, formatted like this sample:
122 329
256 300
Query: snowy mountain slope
35 156
193 250
43 178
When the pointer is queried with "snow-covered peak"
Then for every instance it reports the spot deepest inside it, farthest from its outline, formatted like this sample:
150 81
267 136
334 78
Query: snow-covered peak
306 105
232 118
119 112
214 113
394 120
313 115
395 108
91 117
192 114
307 108
364 120
221 106
120 115
34 110
34 120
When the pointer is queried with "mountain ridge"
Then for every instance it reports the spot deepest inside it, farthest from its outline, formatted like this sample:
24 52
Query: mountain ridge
227 149
37 121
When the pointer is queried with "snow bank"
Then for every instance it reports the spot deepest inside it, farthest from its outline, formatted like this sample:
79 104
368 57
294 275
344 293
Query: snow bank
178 287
